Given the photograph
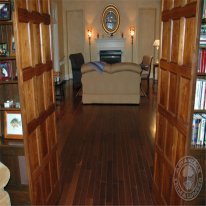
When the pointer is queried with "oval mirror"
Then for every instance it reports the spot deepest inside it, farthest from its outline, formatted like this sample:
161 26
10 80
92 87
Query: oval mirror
110 19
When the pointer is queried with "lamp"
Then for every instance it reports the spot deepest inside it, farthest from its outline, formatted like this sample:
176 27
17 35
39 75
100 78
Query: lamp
156 44
132 31
89 33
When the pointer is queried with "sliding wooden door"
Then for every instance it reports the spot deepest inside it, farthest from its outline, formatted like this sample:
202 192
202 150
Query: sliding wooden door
175 89
34 60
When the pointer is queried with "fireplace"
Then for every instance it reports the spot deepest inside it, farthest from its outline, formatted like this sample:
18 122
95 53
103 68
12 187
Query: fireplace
110 56
106 46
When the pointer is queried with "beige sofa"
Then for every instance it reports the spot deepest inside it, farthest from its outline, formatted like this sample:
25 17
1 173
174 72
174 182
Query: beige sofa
4 178
117 84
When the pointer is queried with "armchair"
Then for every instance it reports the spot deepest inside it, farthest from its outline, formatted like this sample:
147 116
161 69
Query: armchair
146 66
77 60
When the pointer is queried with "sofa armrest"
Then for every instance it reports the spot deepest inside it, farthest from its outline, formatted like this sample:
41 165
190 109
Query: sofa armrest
4 178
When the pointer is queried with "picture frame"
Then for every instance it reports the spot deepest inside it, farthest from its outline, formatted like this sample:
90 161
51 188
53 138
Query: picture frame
5 70
13 125
110 19
12 46
5 11
3 49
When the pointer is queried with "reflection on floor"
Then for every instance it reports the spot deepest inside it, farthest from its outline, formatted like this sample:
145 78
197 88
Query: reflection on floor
106 151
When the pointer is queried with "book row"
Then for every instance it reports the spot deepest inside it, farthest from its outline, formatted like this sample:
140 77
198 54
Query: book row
200 96
203 39
198 130
202 61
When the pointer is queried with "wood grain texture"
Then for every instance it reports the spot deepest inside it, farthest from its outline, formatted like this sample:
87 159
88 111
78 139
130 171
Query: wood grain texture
35 79
107 157
175 93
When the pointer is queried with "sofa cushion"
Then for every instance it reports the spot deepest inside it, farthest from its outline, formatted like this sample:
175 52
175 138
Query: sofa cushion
4 198
4 175
125 66
112 68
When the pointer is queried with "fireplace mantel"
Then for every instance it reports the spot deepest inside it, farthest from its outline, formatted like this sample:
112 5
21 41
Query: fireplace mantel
110 44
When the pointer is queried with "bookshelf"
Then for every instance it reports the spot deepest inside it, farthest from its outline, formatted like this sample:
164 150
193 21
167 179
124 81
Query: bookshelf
198 139
198 134
34 164
12 152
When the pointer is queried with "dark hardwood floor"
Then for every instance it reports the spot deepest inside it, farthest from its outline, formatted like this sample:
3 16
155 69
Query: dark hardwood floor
106 151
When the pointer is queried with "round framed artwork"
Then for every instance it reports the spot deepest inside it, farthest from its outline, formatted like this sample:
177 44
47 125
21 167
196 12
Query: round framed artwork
110 19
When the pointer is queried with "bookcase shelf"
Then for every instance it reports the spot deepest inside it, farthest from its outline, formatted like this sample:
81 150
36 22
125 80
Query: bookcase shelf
200 111
9 109
9 82
202 46
200 74
199 115
6 22
8 58
198 151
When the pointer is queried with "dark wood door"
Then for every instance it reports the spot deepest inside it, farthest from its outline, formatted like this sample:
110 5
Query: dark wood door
176 87
34 61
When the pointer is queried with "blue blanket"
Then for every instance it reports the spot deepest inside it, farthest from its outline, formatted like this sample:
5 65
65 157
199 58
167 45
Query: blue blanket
99 66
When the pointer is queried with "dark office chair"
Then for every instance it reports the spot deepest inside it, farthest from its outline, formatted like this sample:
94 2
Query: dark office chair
77 60
146 66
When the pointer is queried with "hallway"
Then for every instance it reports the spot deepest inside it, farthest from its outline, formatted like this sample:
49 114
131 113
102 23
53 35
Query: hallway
107 151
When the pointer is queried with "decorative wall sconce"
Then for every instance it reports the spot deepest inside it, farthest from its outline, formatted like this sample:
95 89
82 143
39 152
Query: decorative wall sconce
89 33
156 44
132 31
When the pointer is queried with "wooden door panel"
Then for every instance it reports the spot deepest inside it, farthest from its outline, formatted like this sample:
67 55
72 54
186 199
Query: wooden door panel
46 56
33 5
170 144
166 41
184 100
33 151
190 1
173 94
175 41
162 124
38 192
178 51
158 172
40 94
181 146
28 89
49 97
43 140
54 165
44 6
24 51
177 3
167 4
36 44
164 78
167 183
51 130
189 41
37 99
47 181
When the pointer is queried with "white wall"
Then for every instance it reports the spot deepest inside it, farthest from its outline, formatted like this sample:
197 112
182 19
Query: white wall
129 14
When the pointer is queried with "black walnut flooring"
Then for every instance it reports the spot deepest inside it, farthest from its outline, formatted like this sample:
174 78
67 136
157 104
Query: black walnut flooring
106 151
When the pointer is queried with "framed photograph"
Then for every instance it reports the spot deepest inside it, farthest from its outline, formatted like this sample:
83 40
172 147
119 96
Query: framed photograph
3 49
5 11
13 125
5 70
12 46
